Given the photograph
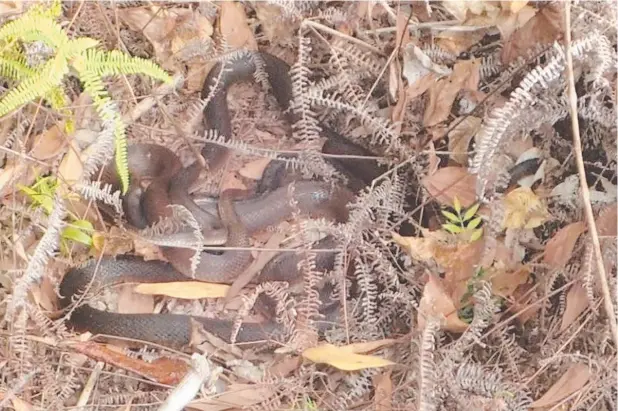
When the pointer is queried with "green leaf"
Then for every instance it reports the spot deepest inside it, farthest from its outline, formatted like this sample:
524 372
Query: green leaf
457 205
452 228
38 198
471 211
476 235
74 232
474 223
452 217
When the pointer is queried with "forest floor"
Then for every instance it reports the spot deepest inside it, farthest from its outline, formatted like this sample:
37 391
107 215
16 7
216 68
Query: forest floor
477 272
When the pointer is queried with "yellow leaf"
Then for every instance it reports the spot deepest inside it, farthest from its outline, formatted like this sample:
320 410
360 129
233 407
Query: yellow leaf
419 248
365 347
343 359
436 301
189 290
523 209
98 241
514 6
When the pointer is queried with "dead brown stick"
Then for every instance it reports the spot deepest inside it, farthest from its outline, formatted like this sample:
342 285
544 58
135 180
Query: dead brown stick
577 149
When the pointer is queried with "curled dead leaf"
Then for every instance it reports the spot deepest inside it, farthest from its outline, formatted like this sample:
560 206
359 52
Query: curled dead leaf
606 222
442 93
573 380
235 396
523 209
418 247
383 391
254 169
234 26
435 302
560 247
450 182
546 26
459 138
576 302
49 143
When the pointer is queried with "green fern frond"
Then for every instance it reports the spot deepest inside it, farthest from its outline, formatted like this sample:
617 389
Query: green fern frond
57 98
15 68
35 28
115 62
122 161
93 85
92 65
50 75
80 45
50 10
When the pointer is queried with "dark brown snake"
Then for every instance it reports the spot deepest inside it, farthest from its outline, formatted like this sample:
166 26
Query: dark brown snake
229 219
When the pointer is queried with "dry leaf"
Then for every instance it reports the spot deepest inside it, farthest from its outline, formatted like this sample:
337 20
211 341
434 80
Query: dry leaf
132 303
504 283
544 28
463 10
269 15
456 42
559 248
162 370
11 8
523 209
442 94
285 367
421 85
21 405
9 173
402 33
170 31
49 143
508 21
399 110
383 388
234 26
342 358
188 290
436 301
576 302
235 396
254 169
459 138
419 248
514 6
459 263
71 166
574 379
44 294
417 64
607 220
368 346
449 182
231 181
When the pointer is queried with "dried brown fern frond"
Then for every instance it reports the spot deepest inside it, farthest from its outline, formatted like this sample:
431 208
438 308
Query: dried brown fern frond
522 114
428 395
474 379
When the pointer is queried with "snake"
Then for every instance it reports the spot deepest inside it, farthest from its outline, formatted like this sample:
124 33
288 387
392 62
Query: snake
225 220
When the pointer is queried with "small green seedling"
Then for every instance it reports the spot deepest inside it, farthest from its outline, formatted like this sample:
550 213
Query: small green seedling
41 193
463 222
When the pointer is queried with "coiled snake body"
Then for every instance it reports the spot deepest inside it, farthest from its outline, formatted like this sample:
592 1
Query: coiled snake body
236 220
